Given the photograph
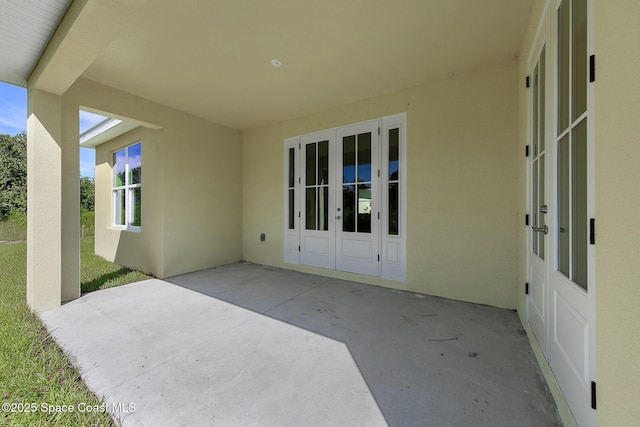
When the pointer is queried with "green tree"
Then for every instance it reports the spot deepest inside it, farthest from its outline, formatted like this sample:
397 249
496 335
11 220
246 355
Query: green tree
87 193
13 174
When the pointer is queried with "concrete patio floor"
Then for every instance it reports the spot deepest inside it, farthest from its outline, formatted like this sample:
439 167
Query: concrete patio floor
261 346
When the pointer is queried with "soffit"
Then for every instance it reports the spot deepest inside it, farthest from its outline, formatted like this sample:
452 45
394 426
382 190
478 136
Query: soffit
26 26
213 58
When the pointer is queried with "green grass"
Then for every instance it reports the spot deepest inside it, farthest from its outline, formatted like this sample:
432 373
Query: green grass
33 369
14 228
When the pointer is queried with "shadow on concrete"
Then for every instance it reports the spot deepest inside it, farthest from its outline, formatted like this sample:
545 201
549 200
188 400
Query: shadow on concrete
427 360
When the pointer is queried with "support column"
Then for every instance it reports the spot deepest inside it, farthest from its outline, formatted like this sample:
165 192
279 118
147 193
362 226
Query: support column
53 201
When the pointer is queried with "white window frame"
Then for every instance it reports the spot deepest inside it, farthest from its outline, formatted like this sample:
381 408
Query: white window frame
128 189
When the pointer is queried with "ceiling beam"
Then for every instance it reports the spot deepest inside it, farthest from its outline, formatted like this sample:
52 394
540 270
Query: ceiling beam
86 29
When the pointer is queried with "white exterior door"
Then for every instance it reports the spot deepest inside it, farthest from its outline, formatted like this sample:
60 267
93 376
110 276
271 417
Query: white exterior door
538 301
317 222
561 301
358 204
345 198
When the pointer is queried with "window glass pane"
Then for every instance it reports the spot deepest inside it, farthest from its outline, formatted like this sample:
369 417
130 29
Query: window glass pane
394 153
310 223
349 159
135 164
563 205
119 207
393 209
323 162
364 208
579 203
348 208
136 206
364 157
311 164
291 210
119 164
563 65
292 165
579 39
542 101
323 208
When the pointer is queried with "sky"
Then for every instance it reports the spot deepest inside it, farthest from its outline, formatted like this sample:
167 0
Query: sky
13 120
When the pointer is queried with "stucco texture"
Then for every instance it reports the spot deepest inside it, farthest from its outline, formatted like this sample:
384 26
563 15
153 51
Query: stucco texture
463 186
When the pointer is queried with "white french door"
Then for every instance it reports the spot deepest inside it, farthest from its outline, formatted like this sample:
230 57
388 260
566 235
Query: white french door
317 235
358 204
561 301
345 198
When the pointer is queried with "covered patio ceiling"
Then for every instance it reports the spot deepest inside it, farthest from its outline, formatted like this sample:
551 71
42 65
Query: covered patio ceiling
213 59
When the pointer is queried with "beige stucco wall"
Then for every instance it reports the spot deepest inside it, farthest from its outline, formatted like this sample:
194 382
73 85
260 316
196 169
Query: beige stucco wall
462 221
192 191
142 250
617 164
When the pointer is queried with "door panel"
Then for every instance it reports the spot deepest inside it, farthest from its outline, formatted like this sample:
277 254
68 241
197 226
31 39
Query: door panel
538 301
317 230
570 278
357 208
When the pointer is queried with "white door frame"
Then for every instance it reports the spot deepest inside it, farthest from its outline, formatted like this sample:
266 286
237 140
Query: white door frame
389 181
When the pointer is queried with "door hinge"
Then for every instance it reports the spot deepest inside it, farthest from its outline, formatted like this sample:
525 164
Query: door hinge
378 173
299 215
299 180
299 146
298 248
592 231
593 395
526 288
528 81
378 257
526 151
592 68
378 131
526 219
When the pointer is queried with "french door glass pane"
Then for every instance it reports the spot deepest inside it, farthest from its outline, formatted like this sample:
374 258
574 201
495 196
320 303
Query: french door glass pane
364 208
310 164
563 205
349 159
579 63
364 157
323 162
348 208
542 102
291 209
393 209
579 203
292 165
135 163
119 207
394 153
564 20
119 163
541 202
136 205
323 208
536 93
536 206
310 200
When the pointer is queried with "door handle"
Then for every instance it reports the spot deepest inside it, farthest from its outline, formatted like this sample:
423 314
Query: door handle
544 229
544 209
338 217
